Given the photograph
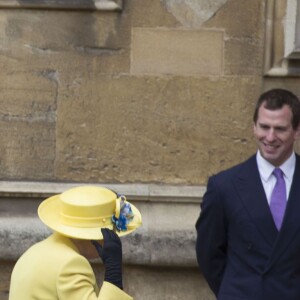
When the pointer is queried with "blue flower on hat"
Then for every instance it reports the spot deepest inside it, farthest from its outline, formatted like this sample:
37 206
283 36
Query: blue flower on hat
123 214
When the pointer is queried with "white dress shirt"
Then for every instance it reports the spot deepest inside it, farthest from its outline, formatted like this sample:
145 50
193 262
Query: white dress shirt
268 179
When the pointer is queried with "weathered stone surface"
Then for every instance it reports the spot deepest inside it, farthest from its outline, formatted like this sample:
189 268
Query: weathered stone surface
240 18
150 14
193 13
244 44
27 125
67 42
243 56
142 283
160 241
153 129
5 271
148 247
115 127
166 283
291 84
169 51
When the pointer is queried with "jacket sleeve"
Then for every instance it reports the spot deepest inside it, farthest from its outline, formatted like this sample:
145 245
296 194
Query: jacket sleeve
76 281
211 242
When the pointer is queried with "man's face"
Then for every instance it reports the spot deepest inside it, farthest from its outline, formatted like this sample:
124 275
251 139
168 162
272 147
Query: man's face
275 135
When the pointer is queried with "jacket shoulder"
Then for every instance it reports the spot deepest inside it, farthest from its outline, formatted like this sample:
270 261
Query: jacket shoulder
244 167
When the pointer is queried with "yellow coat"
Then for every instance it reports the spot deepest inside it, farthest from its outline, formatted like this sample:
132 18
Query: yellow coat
54 270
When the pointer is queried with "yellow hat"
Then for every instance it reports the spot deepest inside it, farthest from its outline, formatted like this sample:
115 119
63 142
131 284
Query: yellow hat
82 211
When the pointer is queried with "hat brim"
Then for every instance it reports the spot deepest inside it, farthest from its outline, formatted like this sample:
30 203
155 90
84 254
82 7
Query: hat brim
49 213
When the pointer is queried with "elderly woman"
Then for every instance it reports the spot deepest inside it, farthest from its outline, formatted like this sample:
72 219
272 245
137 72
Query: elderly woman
87 221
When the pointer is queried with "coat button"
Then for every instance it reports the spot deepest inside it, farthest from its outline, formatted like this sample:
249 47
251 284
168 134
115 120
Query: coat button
249 246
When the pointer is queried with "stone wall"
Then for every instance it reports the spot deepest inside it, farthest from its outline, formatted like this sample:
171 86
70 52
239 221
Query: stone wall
152 98
162 91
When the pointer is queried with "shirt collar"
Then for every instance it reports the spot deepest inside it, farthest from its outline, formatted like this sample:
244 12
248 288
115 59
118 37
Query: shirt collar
266 169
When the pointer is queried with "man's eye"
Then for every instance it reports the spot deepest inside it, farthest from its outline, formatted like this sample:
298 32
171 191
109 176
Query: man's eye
281 129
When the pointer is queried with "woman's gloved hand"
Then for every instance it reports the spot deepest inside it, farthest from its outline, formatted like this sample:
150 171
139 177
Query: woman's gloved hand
111 255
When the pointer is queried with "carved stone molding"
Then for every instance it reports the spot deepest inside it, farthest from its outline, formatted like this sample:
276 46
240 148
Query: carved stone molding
169 214
282 40
106 5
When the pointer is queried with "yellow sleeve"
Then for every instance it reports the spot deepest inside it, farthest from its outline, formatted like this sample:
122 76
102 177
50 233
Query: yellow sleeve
77 281
111 292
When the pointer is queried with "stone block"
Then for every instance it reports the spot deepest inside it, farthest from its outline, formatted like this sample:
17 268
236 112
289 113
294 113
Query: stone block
166 283
27 125
150 14
153 129
244 39
175 51
5 272
243 56
67 42
240 19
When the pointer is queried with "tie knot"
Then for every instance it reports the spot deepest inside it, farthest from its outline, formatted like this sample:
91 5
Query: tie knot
278 173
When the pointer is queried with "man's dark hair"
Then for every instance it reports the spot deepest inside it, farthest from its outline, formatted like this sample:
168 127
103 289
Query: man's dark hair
276 99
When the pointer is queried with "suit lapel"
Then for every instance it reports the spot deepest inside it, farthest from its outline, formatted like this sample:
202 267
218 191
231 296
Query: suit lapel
250 190
291 223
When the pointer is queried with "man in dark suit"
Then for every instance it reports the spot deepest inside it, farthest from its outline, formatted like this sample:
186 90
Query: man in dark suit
248 232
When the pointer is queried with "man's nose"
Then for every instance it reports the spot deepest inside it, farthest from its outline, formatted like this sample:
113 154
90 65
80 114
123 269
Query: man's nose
270 135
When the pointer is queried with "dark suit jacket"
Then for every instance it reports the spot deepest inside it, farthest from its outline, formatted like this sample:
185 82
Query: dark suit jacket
239 250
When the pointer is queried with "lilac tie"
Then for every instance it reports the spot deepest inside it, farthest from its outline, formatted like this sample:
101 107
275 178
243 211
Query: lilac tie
278 198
